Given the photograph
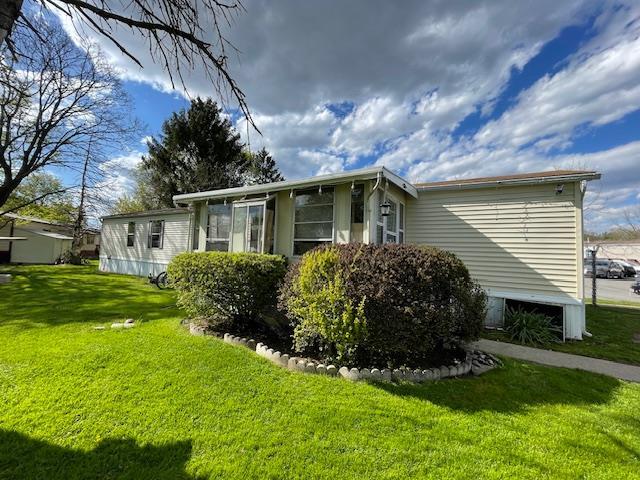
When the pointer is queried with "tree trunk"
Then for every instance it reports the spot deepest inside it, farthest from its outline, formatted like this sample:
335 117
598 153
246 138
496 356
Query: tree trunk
78 227
9 11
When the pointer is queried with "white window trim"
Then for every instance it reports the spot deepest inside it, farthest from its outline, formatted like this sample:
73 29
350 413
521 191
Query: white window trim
219 239
249 203
294 223
383 224
133 243
151 234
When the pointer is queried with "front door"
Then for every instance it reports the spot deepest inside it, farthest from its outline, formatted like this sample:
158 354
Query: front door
248 227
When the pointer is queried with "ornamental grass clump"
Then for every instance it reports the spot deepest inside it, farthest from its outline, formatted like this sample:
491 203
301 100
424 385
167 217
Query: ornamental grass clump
530 327
383 305
227 290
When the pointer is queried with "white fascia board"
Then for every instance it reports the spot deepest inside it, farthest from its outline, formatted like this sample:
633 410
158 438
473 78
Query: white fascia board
330 179
534 297
513 182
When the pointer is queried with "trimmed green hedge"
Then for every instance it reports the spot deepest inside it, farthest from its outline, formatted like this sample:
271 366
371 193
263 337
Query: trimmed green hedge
382 304
227 290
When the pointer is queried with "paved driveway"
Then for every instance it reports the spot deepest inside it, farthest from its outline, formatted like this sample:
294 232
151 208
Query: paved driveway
612 289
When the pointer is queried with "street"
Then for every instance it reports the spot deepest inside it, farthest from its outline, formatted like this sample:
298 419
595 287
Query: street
612 289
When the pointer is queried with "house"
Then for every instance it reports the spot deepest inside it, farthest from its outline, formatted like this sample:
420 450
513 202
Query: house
34 240
519 235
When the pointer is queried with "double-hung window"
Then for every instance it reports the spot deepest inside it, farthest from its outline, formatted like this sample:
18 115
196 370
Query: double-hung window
218 227
390 229
156 232
131 233
313 219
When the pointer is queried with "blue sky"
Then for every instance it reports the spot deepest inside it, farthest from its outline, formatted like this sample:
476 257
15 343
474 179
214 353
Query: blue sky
433 90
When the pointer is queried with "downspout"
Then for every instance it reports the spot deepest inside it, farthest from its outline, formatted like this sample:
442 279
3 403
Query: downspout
191 224
379 177
583 191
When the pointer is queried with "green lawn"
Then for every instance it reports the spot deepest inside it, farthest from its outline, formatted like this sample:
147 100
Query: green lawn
613 328
154 402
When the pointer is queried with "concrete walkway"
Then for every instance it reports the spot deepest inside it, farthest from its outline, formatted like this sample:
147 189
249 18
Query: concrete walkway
559 359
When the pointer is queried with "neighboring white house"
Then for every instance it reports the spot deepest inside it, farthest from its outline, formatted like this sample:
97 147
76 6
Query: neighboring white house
41 241
519 235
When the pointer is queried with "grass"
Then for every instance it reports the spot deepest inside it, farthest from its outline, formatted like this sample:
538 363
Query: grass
613 328
604 301
154 402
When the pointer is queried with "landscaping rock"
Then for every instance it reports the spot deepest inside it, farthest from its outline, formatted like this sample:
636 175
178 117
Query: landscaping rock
117 325
251 344
386 375
332 370
128 321
344 372
376 374
129 325
321 369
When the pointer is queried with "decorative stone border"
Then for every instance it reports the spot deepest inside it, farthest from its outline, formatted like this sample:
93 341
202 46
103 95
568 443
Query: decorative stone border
476 363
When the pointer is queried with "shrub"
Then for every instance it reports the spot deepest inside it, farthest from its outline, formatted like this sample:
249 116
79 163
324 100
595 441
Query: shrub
327 316
530 327
402 304
226 289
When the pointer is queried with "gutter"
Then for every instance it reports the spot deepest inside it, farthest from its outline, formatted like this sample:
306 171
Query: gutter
513 182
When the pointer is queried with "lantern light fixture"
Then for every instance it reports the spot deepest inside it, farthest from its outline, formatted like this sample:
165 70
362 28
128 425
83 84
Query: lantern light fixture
385 209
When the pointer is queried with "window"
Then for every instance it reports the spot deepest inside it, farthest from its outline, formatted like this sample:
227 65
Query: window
218 227
89 239
357 204
313 219
390 229
156 231
131 233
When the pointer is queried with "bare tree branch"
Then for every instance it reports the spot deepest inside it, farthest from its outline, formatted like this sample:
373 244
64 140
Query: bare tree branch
182 35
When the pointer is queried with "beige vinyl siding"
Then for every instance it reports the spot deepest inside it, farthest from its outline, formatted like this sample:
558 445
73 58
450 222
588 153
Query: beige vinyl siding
284 224
342 213
114 238
512 239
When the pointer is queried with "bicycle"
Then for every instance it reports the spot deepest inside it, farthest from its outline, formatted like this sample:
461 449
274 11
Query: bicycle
161 280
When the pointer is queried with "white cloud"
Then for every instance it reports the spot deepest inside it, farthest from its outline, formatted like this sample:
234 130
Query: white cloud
413 72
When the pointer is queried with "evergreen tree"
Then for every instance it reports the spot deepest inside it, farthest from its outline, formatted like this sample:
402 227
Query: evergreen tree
262 169
198 150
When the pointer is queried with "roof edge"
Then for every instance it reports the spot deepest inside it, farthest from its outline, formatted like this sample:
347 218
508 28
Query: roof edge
506 181
360 174
148 213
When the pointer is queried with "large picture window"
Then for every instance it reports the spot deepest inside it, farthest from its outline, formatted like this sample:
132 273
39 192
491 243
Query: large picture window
131 234
313 219
218 227
156 234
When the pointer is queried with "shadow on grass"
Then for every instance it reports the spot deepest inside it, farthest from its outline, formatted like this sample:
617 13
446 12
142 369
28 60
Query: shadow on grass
512 388
22 457
55 295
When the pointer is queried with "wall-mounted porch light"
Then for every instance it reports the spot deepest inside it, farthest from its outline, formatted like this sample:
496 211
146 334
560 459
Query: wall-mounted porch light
385 209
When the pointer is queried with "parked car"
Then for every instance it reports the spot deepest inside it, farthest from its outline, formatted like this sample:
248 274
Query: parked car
635 264
609 269
627 268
